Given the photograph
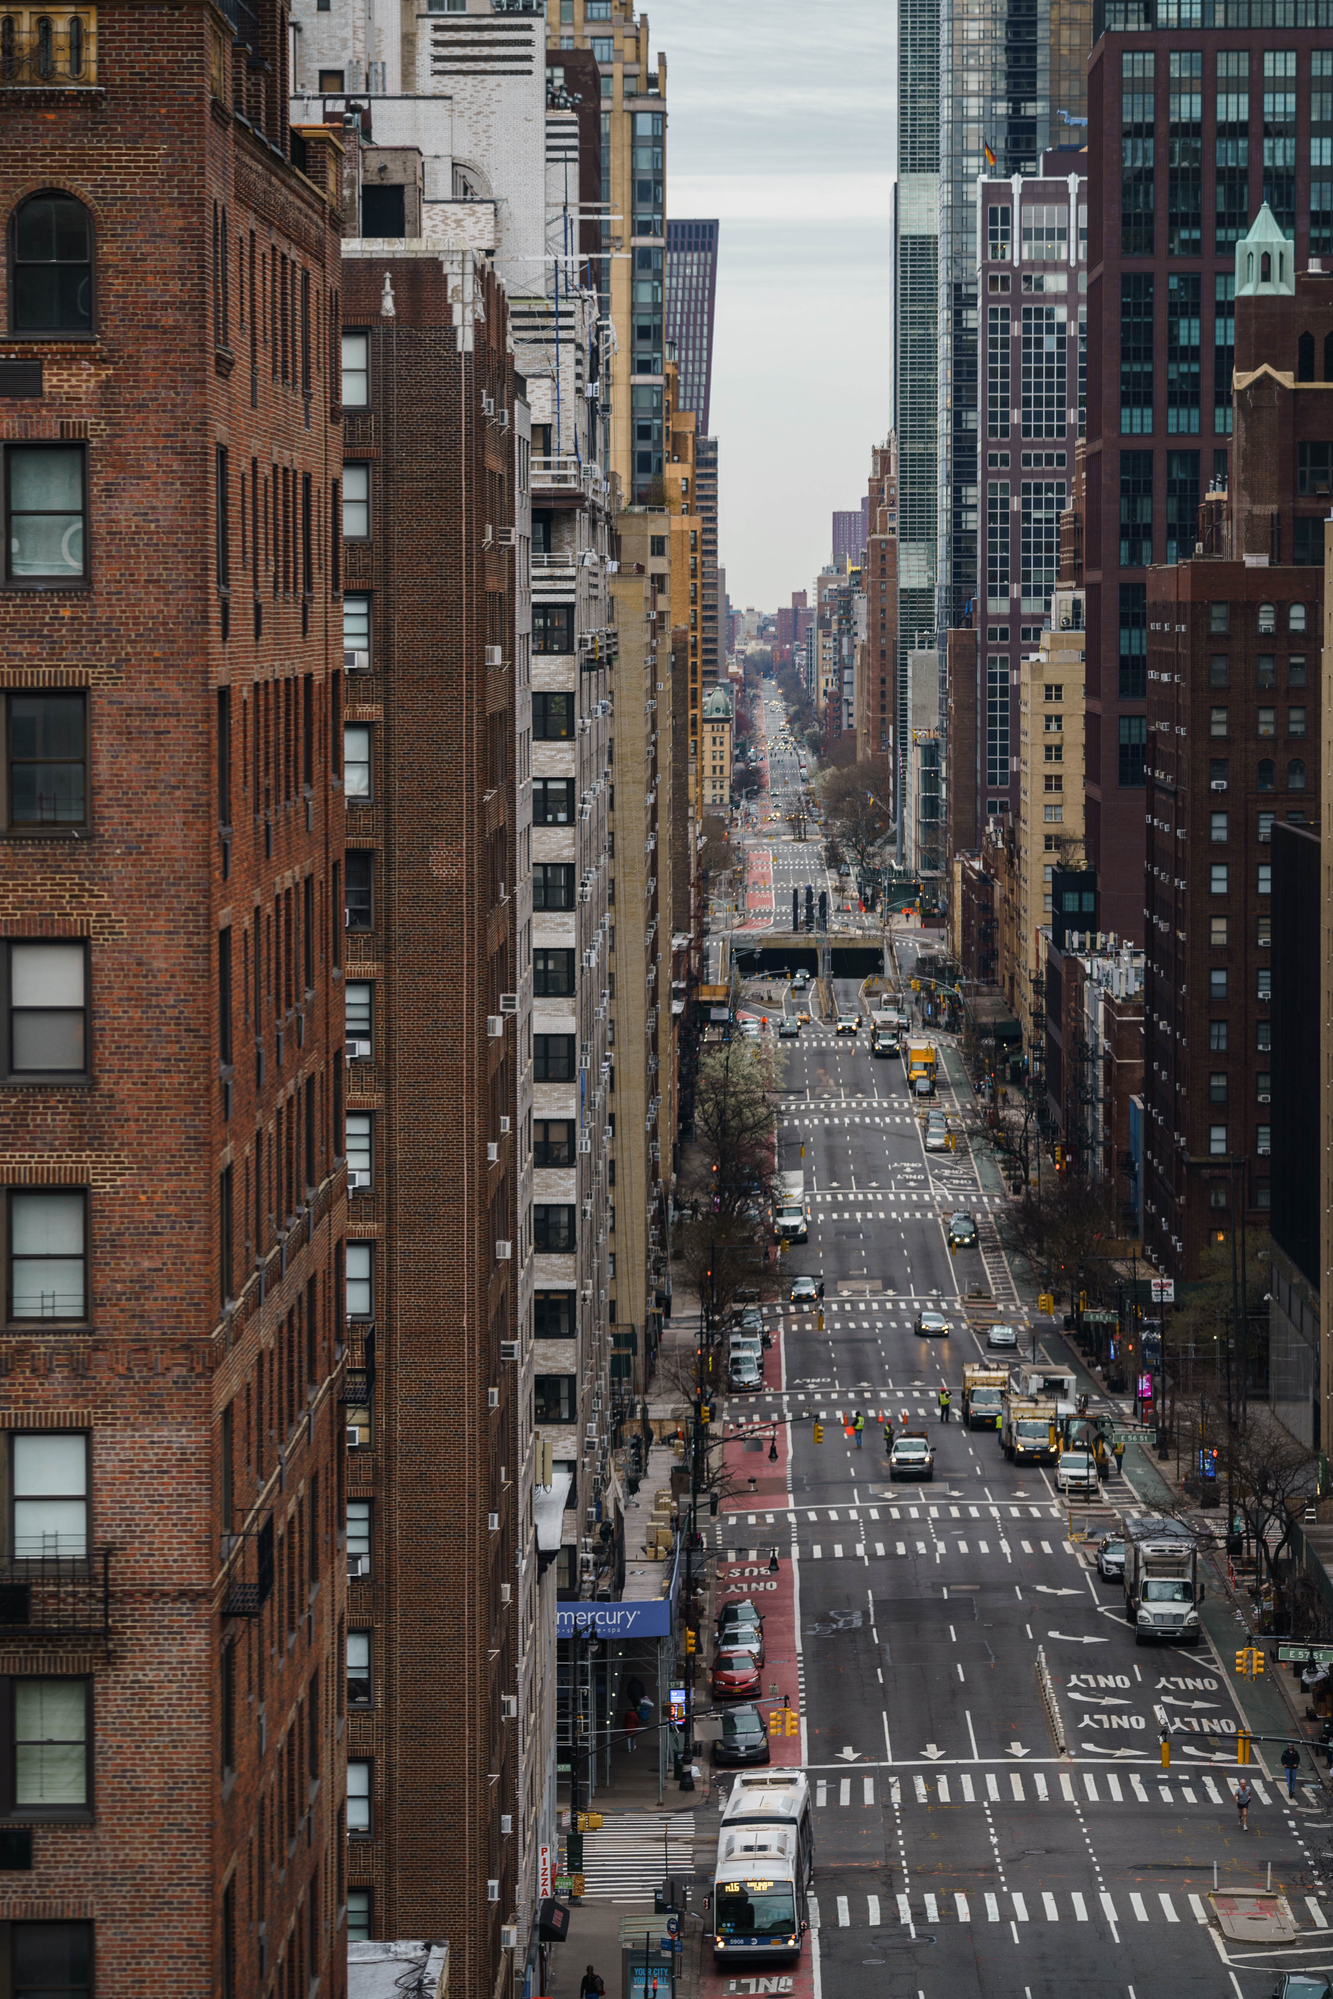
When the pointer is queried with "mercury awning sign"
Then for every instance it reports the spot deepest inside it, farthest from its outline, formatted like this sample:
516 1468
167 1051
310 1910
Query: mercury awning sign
647 1619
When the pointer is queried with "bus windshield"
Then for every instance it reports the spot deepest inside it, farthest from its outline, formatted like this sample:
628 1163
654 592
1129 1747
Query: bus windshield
761 1909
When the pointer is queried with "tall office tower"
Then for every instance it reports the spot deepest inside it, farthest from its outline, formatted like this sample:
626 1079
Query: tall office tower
916 348
848 537
1234 702
875 705
1032 274
691 291
712 658
1190 129
175 1191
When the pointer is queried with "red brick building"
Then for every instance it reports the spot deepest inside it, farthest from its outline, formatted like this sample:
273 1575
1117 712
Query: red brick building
1232 748
171 1616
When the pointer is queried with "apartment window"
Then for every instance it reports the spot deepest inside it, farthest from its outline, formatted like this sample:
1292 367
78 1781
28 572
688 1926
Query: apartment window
1265 885
1217 1139
552 884
358 1668
1184 155
48 1960
359 1915
1224 346
48 1735
46 507
1133 641
359 1811
1263 984
356 502
1263 1085
554 1398
1133 749
1217 878
1232 147
1263 1036
552 974
358 1537
1266 778
47 1005
1218 721
360 1148
360 864
1267 620
1279 139
359 1006
1217 826
1217 982
1217 1037
552 801
46 761
51 243
1219 771
1219 620
1296 670
48 1472
552 1142
47 1253
553 1228
1218 1194
356 629
356 371
1296 617
1217 931
1136 154
356 760
1263 931
360 1267
1219 670
1296 726
552 718
1265 669
553 1315
553 1058
553 628
1217 1087
1295 775
603 49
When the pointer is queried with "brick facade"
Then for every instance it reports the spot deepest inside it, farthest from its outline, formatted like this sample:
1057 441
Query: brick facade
193 1364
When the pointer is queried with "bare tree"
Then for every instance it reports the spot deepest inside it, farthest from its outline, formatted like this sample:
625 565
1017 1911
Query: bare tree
854 812
734 1122
1267 1470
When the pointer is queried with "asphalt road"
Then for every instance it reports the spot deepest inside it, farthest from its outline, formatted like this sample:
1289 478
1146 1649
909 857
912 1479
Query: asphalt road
956 1852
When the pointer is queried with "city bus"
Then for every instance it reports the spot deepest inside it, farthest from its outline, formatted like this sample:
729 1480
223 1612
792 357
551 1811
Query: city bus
765 1863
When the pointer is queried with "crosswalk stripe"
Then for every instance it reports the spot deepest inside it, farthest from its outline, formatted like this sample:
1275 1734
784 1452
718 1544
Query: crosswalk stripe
1200 1913
1212 1790
1067 1786
969 1795
1048 1903
992 1909
813 1907
868 1789
943 1788
964 1913
1113 1785
1020 1908
1168 1908
1316 1913
1016 1785
1080 1907
1136 1904
920 1784
1039 1779
1139 1792
1109 1906
992 1787
904 1910
932 1911
845 1791
821 1793
879 1547
1090 1785
873 1904
844 1914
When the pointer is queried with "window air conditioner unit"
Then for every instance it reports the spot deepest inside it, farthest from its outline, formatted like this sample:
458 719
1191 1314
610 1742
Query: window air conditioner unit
503 1252
509 1349
355 660
585 1144
492 1151
1218 784
492 1398
1264 1098
353 1437
495 655
358 1051
493 1523
356 1179
495 1025
591 1431
357 1565
508 1931
505 1592
507 536
488 405
504 419
508 1710
504 1127
509 1002
492 1891
606 1134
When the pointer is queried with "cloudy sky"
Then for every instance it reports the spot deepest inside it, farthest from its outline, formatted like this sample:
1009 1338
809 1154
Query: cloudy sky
781 125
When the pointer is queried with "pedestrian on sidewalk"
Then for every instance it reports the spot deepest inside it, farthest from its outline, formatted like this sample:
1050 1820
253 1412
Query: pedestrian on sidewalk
858 1425
630 1725
593 1985
1291 1758
944 1405
1244 1798
645 1712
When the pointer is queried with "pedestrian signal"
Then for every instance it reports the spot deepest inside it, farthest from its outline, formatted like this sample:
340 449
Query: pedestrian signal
588 1821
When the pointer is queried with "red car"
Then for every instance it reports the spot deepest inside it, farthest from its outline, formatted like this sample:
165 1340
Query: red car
735 1675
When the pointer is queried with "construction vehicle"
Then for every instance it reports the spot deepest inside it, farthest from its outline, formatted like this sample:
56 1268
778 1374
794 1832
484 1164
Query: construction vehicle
983 1395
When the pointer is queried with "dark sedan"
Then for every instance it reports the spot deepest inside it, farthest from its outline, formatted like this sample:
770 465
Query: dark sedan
744 1739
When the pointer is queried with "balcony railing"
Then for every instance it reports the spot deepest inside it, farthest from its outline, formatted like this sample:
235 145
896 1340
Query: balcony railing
48 50
57 1596
248 1560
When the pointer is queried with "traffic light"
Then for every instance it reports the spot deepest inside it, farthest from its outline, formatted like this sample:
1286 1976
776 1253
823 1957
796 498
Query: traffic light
691 1642
793 1722
1243 1746
819 1431
775 1722
1250 1662
1059 1159
587 1822
705 1413
574 1852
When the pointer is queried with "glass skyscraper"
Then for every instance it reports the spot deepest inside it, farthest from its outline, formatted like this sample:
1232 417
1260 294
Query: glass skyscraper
691 288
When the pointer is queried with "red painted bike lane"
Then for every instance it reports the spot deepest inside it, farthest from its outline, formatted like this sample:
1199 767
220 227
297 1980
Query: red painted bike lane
776 1594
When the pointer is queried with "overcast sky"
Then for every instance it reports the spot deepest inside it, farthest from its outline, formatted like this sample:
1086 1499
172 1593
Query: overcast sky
781 125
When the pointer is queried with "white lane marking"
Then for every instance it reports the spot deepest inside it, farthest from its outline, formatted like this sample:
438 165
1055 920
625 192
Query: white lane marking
1317 1915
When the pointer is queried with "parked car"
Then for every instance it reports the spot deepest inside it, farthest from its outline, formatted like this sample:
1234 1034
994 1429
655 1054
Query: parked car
1111 1557
912 1456
735 1675
1002 1336
1302 1985
962 1232
750 1321
930 1323
744 1738
805 1290
937 1138
736 1616
751 1030
848 1023
744 1373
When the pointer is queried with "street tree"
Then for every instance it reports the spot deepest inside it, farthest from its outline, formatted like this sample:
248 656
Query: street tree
1267 1470
734 1124
854 811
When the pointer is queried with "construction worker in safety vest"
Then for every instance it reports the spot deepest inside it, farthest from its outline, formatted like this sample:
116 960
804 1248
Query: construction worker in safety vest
944 1405
888 1433
858 1426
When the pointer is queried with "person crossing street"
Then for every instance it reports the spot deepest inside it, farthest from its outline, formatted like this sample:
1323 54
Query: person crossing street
1291 1758
944 1405
1244 1795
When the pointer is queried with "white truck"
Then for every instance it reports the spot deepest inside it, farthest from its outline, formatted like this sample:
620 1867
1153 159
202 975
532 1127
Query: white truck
1034 1403
1162 1587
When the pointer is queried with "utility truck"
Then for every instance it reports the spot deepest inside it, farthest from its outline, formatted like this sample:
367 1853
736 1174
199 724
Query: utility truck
1162 1586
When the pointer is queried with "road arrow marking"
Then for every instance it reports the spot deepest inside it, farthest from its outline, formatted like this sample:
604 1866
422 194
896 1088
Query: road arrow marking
1044 1589
849 1755
1098 1700
933 1752
1070 1639
1096 1749
1017 1749
1192 1706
